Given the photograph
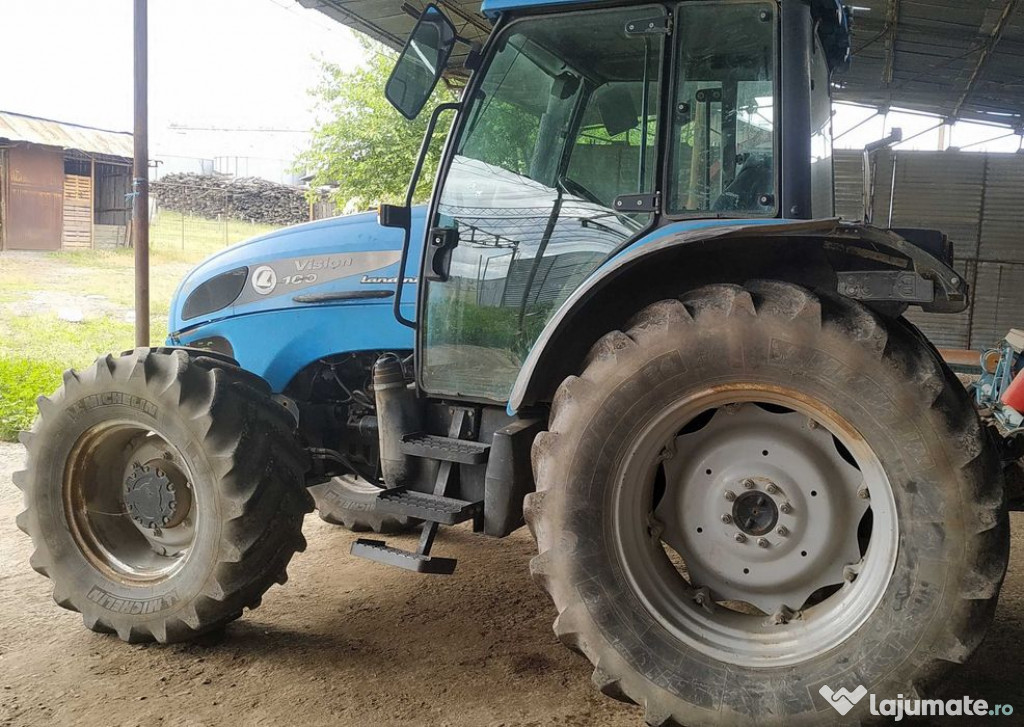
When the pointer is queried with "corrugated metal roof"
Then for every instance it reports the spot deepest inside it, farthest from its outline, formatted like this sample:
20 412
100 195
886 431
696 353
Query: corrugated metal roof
34 130
948 57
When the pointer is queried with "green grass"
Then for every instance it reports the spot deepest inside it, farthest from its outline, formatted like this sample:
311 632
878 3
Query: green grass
21 381
36 347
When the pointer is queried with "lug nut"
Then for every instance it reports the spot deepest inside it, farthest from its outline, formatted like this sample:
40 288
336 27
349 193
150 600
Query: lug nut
726 519
786 508
863 493
772 489
763 542
783 531
749 484
782 616
740 538
730 495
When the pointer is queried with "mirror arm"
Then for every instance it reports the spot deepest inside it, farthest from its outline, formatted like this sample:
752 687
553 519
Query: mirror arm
421 157
409 194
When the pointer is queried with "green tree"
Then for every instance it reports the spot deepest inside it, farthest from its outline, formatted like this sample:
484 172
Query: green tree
361 145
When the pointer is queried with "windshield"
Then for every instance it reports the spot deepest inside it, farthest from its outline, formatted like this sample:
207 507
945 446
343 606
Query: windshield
723 156
562 123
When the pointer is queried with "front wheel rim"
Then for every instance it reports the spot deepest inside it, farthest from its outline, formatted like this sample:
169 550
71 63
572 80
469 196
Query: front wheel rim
131 503
724 560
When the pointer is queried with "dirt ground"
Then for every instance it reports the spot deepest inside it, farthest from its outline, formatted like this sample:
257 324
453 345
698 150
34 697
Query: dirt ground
352 643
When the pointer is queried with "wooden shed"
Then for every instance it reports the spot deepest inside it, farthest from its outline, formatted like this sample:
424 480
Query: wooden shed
62 186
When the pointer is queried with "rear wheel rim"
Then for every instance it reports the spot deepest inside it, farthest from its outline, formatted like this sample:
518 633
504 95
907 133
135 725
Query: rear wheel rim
130 503
726 560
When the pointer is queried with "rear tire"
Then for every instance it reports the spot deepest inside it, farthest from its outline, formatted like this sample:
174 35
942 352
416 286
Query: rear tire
164 494
933 599
349 501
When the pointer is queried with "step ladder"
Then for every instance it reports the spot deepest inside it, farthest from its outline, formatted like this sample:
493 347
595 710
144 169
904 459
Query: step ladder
435 508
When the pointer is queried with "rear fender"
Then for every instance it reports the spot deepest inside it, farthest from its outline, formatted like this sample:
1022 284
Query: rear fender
818 254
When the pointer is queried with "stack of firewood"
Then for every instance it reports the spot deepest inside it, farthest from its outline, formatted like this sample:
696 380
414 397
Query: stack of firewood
219 196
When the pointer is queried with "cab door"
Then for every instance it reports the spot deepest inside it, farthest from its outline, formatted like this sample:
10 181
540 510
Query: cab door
552 171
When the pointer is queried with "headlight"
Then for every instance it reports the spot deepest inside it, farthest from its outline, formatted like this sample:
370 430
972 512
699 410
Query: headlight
216 293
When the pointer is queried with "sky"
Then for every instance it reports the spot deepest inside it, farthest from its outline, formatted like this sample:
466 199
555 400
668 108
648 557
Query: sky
222 72
223 64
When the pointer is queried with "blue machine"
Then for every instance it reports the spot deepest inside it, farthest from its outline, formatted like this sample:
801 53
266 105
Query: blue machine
1000 367
282 301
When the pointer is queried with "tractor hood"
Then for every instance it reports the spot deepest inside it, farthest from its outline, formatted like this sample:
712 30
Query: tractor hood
338 261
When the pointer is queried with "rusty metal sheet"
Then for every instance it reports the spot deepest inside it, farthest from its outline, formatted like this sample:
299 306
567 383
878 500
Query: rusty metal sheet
34 130
35 198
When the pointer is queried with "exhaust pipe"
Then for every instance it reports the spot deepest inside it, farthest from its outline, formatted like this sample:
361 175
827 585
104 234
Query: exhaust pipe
397 415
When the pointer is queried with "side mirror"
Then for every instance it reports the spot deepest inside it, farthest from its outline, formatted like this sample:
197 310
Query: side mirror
421 63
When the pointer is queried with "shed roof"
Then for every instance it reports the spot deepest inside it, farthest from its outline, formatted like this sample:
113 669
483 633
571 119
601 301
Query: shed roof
35 130
949 57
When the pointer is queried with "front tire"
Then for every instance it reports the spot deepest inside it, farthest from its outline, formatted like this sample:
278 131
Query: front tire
719 557
164 494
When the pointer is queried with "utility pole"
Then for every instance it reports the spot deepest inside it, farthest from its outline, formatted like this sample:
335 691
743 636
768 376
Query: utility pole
140 184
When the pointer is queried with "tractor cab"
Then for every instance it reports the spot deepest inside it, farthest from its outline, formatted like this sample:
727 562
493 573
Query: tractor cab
588 130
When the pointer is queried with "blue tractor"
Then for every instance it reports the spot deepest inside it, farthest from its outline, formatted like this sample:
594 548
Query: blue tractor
757 491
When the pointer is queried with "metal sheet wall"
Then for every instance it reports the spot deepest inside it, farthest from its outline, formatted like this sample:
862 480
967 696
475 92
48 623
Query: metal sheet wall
973 198
34 209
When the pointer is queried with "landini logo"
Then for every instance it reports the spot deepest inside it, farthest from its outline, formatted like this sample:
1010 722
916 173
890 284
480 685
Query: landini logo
843 700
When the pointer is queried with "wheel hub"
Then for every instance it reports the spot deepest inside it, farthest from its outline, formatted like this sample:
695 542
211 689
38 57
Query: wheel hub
151 497
755 513
763 507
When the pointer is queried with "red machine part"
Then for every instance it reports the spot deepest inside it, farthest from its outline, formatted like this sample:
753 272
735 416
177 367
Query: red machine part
1014 395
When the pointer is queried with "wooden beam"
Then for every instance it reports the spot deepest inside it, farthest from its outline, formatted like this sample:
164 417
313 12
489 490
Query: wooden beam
986 52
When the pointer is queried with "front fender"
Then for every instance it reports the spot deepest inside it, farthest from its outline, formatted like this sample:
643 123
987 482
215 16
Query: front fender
673 259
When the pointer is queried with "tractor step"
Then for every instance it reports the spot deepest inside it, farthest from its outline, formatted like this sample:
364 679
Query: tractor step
381 552
436 508
444 449
424 506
